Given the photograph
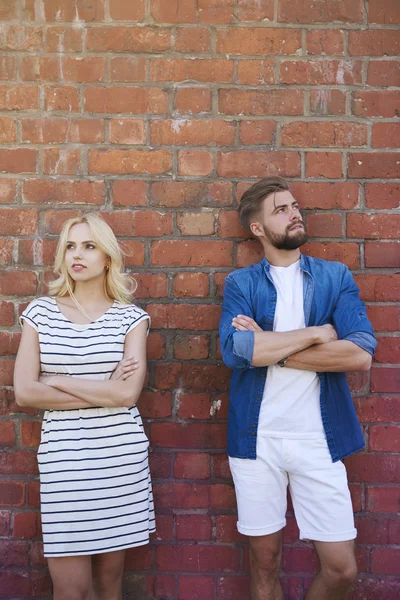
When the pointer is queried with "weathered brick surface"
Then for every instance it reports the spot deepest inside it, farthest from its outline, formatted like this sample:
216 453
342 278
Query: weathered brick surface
159 115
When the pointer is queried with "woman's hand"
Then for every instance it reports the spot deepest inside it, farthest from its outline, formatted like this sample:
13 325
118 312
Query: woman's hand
125 368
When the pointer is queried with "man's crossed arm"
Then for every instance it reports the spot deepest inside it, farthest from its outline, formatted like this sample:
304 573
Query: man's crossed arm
309 349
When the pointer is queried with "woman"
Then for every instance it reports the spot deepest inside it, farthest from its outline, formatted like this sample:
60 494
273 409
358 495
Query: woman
76 361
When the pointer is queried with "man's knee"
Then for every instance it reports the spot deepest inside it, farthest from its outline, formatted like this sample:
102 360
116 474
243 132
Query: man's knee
341 574
266 557
72 592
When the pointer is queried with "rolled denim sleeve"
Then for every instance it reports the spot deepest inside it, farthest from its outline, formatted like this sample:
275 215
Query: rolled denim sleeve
236 346
366 341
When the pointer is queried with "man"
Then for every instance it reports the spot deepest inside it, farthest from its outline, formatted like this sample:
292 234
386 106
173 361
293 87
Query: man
291 326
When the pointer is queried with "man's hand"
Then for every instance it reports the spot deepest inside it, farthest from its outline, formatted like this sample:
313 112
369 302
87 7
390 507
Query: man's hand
243 323
125 368
326 333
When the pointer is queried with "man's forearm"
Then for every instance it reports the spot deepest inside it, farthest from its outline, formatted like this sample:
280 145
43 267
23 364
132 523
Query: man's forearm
337 356
272 346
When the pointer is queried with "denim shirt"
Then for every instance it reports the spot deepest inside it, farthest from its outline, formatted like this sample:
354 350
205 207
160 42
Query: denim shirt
330 295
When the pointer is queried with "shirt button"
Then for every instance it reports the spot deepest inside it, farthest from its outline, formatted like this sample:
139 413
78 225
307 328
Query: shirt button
254 433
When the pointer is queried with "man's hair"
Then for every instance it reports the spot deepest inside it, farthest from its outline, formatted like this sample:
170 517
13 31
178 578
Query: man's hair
253 198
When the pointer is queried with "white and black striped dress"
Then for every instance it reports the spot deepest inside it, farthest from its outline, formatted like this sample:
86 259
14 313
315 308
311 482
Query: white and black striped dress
95 485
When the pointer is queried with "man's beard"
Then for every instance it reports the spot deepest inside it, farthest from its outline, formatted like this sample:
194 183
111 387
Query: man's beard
287 241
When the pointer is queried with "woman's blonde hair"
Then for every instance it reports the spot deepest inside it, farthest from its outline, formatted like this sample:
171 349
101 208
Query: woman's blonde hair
117 285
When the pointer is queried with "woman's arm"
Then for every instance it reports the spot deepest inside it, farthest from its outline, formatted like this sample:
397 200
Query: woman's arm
28 390
113 392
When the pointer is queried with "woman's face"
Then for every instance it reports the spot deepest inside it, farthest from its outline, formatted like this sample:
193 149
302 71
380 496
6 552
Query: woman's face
83 258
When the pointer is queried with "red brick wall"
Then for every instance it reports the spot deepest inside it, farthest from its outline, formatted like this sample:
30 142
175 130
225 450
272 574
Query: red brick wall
159 113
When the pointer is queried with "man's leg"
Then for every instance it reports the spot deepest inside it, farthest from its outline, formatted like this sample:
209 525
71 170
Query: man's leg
338 571
265 559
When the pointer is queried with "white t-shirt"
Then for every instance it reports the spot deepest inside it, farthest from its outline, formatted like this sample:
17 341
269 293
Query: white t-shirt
290 406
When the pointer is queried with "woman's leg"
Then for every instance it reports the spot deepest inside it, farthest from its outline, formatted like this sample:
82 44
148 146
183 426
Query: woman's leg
72 577
107 572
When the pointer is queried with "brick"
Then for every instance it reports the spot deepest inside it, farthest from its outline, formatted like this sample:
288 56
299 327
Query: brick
221 466
26 525
259 72
258 164
188 435
191 285
325 225
296 560
63 191
261 102
127 69
9 344
324 164
303 11
174 11
12 493
129 161
255 10
373 103
383 72
192 39
384 438
18 283
190 465
382 195
249 253
60 161
383 318
160 464
375 42
321 72
216 11
18 462
183 132
8 190
61 130
64 98
222 496
195 588
196 223
41 68
84 70
196 377
152 223
165 527
127 192
127 11
7 434
181 495
195 163
6 251
193 347
5 523
385 135
127 131
230 588
226 529
375 530
8 68
18 160
63 10
375 589
328 102
347 253
54 219
385 561
383 11
229 225
22 38
30 433
184 316
60 38
251 40
379 288
128 39
197 559
373 226
155 405
36 252
19 97
383 499
193 527
8 10
197 69
193 406
190 253
328 42
373 165
13 582
193 194
326 195
370 468
139 559
385 380
151 285
136 100
8 132
317 134
192 101
7 313
253 133
165 586
386 254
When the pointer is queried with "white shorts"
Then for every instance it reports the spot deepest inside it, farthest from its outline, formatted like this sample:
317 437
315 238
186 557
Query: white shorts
318 487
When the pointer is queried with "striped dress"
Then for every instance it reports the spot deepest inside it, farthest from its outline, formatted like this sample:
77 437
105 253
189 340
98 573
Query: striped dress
95 485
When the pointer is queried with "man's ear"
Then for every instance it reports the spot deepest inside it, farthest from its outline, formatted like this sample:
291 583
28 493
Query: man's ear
256 229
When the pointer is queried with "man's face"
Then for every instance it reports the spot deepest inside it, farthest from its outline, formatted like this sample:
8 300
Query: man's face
280 222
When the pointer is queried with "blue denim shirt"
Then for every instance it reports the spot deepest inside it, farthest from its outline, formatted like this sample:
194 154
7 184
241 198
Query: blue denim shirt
330 296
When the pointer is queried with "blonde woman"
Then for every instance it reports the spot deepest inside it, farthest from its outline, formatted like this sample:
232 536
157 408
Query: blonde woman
82 359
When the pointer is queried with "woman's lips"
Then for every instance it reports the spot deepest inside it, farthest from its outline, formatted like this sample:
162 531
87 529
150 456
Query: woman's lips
78 267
